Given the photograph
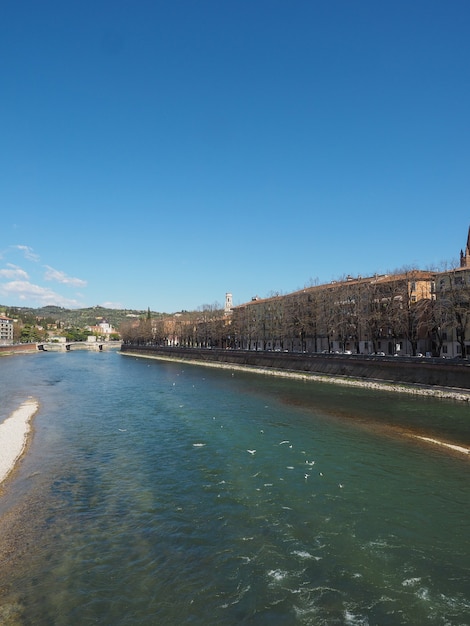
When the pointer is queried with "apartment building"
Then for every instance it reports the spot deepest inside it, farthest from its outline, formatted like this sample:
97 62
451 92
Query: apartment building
6 330
380 313
452 308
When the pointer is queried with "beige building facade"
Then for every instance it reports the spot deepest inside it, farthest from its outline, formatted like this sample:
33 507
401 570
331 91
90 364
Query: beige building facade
409 313
377 314
6 330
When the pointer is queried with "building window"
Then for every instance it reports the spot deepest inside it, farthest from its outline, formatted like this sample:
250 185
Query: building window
444 349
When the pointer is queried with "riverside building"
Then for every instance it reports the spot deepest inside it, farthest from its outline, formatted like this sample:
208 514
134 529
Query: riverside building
413 312
409 313
378 314
6 330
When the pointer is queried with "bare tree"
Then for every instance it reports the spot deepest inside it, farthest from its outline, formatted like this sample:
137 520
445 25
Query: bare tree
454 292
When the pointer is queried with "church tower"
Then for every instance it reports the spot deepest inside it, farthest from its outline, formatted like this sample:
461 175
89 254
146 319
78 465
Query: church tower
228 304
465 256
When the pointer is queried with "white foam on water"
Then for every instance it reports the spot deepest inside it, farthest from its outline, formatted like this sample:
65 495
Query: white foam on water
303 554
423 593
277 575
356 620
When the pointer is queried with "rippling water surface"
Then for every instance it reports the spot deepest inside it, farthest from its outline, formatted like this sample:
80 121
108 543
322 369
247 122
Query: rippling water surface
162 493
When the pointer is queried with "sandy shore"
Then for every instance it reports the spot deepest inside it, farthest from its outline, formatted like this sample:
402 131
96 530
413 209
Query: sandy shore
14 435
450 446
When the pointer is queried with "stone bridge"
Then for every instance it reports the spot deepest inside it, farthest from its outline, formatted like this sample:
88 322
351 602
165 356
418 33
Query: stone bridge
97 346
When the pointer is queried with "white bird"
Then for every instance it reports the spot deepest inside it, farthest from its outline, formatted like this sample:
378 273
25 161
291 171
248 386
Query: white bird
310 463
306 476
340 486
282 442
251 451
321 474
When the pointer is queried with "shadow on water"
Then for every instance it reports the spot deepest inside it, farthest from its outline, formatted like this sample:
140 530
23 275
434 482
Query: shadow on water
387 413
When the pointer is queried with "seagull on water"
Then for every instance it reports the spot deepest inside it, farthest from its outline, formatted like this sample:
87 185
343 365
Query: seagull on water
251 451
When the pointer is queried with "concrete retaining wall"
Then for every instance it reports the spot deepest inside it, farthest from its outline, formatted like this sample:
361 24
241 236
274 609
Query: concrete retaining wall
18 348
425 371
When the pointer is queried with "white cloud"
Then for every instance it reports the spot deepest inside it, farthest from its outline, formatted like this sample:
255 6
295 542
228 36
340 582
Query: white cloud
25 291
12 272
61 277
28 287
28 252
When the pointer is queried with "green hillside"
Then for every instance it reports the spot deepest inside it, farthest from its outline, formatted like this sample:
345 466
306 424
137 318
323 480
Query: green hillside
73 317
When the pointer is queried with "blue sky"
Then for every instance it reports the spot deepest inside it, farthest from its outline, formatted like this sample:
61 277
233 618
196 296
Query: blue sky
158 154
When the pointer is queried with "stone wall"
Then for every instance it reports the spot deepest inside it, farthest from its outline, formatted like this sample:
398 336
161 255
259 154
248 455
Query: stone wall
18 348
411 370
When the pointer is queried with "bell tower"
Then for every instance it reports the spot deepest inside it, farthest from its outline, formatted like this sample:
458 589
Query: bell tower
465 256
228 304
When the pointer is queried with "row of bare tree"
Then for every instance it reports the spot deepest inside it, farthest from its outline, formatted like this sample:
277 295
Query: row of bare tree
413 310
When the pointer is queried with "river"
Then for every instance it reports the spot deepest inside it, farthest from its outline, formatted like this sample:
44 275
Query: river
167 493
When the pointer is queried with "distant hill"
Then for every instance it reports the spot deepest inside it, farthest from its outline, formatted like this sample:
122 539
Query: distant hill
75 317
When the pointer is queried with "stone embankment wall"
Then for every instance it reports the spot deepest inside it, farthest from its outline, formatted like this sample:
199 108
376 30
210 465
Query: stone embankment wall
19 348
408 370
